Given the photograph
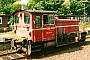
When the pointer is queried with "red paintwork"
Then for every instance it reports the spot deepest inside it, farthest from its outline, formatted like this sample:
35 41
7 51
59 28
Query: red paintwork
37 33
67 25
22 27
49 33
46 32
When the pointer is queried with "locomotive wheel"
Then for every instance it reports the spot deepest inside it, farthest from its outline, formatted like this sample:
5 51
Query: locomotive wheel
28 52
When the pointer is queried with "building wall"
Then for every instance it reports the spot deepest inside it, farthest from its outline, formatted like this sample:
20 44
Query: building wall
4 21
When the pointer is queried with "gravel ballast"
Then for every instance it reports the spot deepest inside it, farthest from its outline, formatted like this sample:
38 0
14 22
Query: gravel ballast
81 52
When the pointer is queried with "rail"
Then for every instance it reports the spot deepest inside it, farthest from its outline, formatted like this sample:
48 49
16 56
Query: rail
12 56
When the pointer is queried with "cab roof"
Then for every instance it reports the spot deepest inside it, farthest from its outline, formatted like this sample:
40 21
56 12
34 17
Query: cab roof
37 11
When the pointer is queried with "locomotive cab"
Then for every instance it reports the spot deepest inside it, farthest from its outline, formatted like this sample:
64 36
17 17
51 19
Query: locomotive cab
36 26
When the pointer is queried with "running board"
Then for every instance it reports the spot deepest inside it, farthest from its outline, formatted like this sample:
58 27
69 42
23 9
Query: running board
66 44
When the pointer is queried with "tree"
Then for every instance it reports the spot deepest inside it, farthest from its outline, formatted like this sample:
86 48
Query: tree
4 3
87 7
88 10
15 7
64 9
76 7
67 7
66 4
40 5
44 4
10 9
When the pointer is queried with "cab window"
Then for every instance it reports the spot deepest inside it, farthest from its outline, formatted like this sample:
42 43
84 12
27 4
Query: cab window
16 18
48 19
51 19
26 18
45 19
37 22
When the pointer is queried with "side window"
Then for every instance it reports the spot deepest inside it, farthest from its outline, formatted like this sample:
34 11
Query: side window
0 20
37 22
45 19
48 19
51 19
26 18
16 18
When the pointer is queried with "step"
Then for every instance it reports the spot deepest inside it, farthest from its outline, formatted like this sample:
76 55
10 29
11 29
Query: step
37 50
36 46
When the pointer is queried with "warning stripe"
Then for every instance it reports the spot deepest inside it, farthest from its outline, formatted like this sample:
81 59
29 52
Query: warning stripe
36 29
48 28
67 26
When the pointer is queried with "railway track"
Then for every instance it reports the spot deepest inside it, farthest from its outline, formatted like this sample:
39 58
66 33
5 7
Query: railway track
53 50
14 55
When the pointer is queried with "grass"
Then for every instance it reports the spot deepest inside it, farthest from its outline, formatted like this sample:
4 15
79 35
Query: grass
85 24
10 33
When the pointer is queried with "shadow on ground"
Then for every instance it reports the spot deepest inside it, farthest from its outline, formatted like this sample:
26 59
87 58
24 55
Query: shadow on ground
60 50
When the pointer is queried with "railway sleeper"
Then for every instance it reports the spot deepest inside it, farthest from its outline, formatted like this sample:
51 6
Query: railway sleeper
12 57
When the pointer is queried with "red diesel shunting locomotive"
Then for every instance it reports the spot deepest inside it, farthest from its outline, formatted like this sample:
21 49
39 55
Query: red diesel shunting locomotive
39 29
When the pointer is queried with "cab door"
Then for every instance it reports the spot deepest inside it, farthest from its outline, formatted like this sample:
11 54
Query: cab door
37 28
49 31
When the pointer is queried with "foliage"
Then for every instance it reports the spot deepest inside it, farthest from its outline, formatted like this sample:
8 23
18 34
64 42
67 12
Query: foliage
66 4
76 7
43 4
10 9
88 10
63 11
15 7
63 7
31 4
40 5
4 3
